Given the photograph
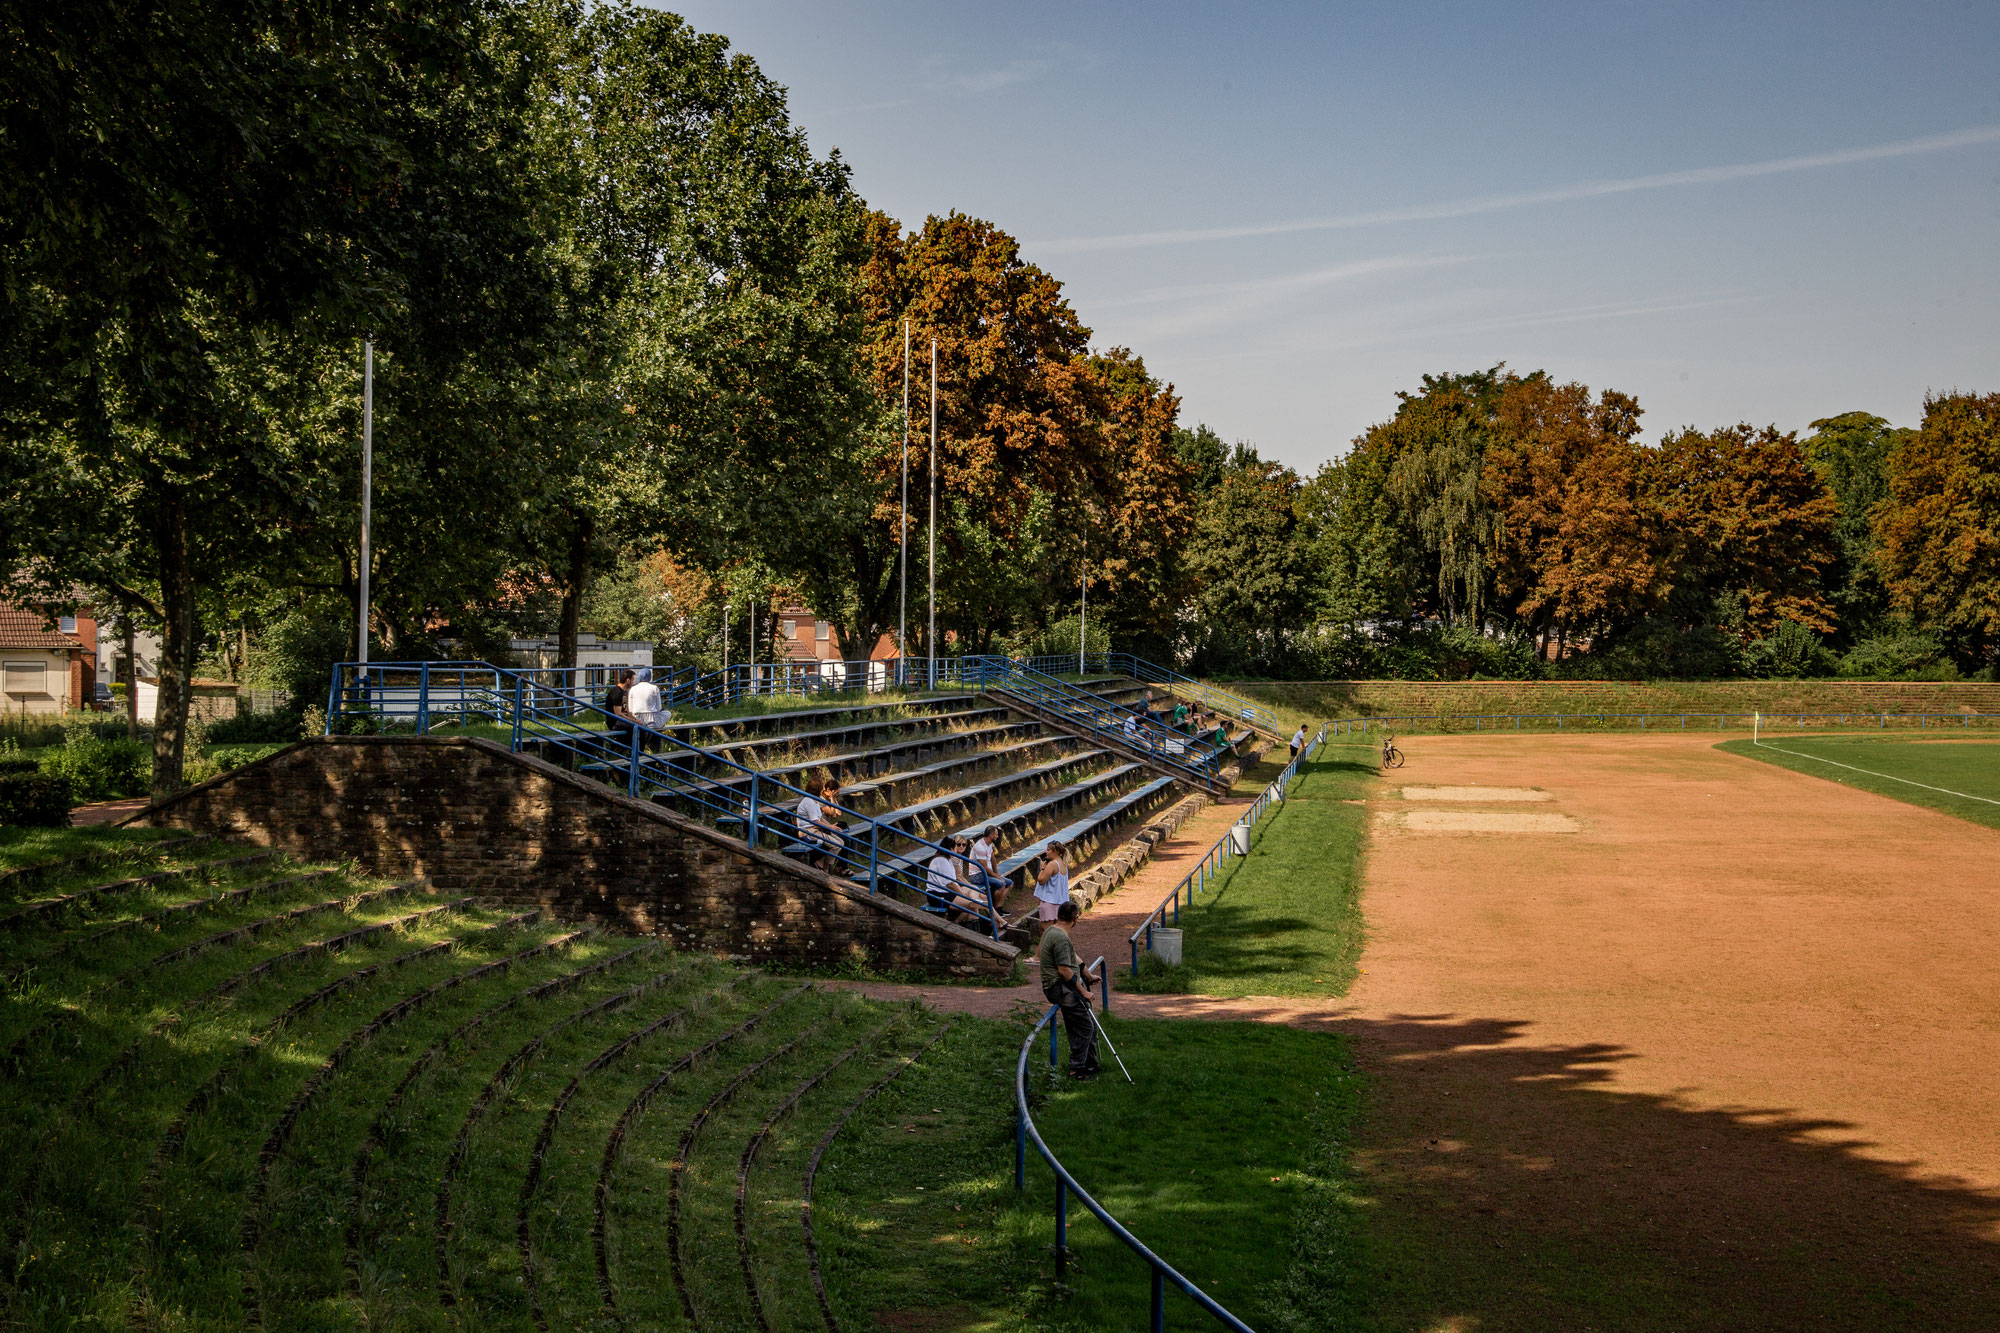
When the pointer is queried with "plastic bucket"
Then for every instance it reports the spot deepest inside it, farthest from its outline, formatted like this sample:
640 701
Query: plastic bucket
1167 945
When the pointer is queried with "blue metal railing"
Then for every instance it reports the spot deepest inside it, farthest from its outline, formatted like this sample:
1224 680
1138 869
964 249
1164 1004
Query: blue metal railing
1025 1133
1212 862
1221 700
1188 755
885 856
1677 721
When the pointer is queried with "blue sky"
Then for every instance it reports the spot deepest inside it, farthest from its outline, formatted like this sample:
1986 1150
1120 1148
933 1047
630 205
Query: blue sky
1768 213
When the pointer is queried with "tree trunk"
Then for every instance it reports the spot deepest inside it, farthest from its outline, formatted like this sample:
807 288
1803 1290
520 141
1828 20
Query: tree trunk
176 667
131 673
574 580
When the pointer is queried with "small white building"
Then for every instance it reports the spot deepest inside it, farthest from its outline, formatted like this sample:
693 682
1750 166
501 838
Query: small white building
597 657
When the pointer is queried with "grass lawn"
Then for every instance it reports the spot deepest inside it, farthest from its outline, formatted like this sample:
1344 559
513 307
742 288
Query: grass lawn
1220 1156
1286 919
1893 768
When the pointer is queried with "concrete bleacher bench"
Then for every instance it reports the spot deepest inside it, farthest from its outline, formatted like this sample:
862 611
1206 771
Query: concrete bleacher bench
1027 811
1108 813
764 723
858 765
733 750
896 818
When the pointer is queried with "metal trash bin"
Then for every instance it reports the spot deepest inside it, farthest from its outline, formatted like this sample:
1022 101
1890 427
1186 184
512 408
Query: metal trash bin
1239 839
1167 945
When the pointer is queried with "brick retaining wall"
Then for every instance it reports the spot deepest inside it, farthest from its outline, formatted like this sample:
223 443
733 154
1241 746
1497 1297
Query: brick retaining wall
472 816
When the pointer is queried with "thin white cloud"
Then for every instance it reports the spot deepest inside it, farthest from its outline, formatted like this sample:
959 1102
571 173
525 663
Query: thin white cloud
939 79
1495 203
1207 306
1285 283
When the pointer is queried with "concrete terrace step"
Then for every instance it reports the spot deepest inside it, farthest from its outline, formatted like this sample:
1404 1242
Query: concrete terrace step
1013 822
859 767
1098 820
964 797
761 724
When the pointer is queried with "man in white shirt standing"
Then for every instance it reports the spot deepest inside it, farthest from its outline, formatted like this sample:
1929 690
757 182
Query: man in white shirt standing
643 703
1298 740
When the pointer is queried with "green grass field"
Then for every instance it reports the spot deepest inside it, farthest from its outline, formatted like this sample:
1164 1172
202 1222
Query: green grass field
1286 919
1902 769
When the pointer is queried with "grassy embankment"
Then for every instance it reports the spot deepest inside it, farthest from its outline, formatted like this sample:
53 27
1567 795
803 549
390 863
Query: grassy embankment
1286 919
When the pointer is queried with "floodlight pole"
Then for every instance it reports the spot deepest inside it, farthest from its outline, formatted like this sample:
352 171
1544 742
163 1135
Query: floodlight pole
903 527
930 638
1083 618
367 487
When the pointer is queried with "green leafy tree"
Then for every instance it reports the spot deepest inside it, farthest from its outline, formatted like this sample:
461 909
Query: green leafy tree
196 198
1249 562
1852 453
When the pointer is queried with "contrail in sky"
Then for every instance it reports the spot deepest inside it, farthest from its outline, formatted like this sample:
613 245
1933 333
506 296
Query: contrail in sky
1496 203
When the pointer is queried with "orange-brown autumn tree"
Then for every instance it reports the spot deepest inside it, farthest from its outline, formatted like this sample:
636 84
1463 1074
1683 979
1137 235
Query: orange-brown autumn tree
1029 421
1746 515
1576 543
1938 532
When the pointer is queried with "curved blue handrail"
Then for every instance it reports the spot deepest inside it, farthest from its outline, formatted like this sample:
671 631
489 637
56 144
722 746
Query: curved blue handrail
1162 1270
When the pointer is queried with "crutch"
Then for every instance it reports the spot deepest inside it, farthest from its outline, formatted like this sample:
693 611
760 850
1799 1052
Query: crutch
1101 1033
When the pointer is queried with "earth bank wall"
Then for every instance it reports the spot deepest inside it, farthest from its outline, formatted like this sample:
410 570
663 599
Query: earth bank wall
472 816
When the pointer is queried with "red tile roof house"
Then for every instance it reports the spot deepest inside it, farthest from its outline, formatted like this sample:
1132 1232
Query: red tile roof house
48 664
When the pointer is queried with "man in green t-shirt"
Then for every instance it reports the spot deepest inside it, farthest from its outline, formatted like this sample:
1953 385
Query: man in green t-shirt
1065 982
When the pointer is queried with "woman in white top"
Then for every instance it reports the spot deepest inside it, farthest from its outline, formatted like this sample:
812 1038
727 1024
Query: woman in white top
644 704
1052 880
949 889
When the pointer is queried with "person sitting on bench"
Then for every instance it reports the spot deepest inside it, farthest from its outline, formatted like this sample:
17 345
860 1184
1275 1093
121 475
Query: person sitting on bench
818 824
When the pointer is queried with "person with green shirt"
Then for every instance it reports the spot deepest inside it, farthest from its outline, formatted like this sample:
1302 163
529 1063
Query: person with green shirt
1180 715
1065 983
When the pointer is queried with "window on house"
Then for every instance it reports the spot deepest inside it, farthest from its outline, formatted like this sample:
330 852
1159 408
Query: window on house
67 624
791 629
821 630
26 678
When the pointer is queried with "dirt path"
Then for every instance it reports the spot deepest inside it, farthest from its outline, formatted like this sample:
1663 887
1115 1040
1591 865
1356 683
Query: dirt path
1725 1056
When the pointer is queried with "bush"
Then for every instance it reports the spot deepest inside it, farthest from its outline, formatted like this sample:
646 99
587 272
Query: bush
18 763
1790 652
1901 655
29 800
94 768
258 728
1060 639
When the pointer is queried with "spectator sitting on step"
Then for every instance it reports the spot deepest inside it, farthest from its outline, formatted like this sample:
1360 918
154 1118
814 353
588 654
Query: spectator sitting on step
1180 715
619 724
985 852
1131 728
642 701
1052 881
818 823
948 884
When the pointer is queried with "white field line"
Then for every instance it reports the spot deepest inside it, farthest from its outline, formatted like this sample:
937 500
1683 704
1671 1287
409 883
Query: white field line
1962 795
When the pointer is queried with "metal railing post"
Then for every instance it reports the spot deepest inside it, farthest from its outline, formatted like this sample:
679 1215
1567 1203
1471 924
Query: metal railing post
753 809
632 763
516 741
1062 1227
334 697
424 700
1159 1300
874 852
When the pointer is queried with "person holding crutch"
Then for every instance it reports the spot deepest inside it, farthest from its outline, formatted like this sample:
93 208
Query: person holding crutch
1066 984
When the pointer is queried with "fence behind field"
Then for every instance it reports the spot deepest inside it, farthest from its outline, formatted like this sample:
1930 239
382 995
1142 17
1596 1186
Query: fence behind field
1455 723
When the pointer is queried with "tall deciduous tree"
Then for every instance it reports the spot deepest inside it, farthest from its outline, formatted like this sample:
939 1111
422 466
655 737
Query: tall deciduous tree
1852 453
703 386
1749 519
1023 418
1938 529
1576 549
193 197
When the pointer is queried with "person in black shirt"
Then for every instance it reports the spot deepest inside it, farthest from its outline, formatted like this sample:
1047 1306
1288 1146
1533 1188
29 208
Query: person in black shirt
620 722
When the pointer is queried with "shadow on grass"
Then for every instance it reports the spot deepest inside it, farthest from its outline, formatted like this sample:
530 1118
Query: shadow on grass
1498 1185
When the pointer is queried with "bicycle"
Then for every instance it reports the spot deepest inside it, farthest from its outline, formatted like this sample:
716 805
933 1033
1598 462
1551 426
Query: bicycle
1391 756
